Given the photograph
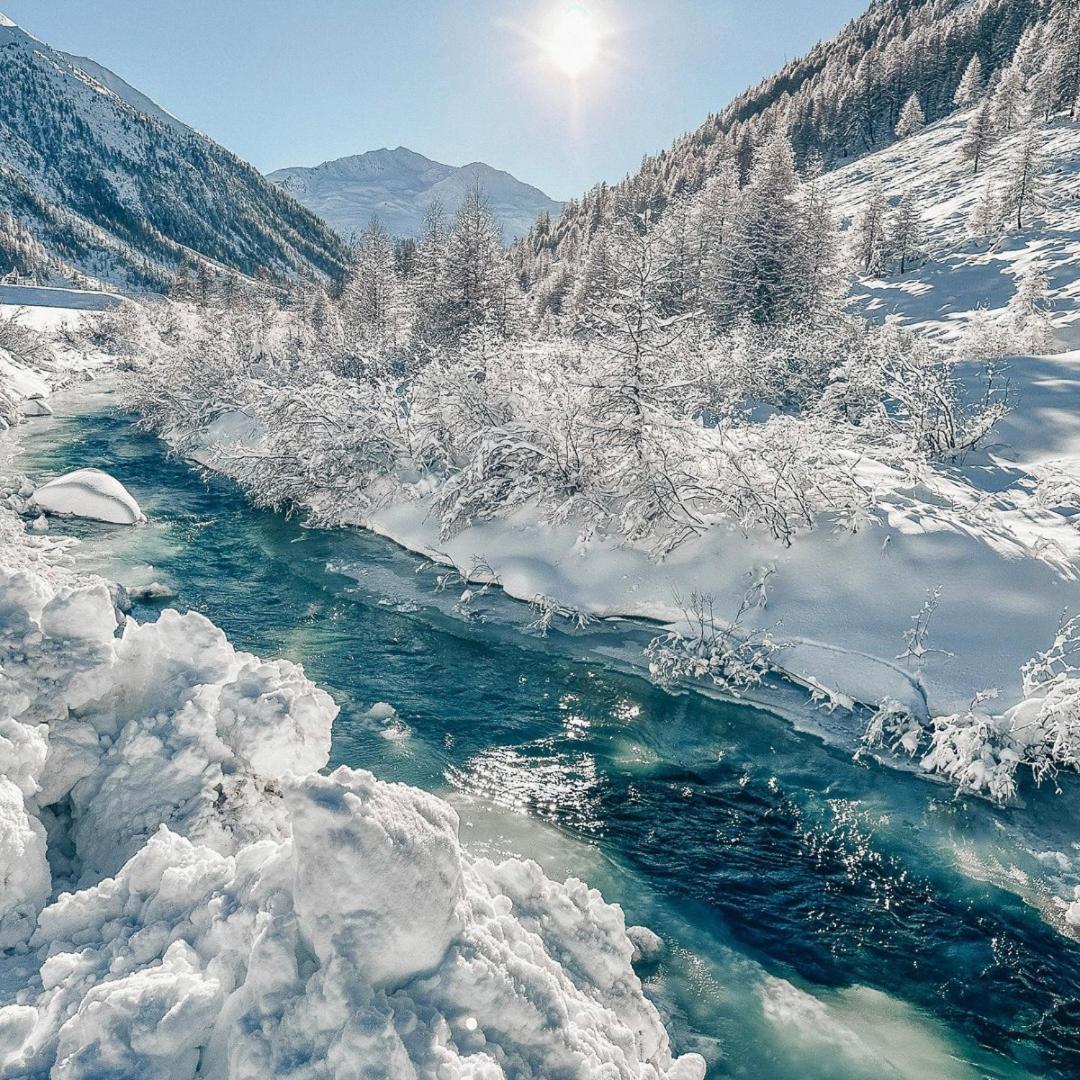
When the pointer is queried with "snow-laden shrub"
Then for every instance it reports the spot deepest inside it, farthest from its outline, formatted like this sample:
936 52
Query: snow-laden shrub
905 395
546 610
23 342
653 437
1022 329
728 655
983 753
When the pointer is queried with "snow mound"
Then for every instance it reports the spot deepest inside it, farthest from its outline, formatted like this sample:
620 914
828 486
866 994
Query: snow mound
187 894
89 493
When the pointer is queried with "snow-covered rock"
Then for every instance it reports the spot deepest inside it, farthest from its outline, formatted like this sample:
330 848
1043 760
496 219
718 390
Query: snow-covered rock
36 406
89 493
186 895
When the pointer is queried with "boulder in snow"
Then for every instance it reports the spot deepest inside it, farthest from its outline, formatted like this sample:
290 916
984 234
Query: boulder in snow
35 405
89 493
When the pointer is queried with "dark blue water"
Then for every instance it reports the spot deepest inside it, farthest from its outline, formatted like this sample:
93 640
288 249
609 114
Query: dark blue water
824 918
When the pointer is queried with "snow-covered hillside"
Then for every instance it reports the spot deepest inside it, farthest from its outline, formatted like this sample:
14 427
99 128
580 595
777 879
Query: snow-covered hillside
397 187
962 274
110 185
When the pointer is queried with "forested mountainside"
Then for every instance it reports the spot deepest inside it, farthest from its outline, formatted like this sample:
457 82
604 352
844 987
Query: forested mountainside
116 192
843 99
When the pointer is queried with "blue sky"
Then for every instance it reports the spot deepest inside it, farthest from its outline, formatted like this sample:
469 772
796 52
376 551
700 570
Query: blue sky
296 83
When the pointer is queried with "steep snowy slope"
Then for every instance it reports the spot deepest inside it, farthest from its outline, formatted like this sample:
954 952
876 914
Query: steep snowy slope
962 274
112 185
398 186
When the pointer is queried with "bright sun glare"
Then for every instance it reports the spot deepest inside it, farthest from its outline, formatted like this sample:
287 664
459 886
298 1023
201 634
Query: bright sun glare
572 41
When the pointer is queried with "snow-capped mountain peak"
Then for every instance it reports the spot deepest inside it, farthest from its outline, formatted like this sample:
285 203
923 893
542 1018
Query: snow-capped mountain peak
5 21
397 186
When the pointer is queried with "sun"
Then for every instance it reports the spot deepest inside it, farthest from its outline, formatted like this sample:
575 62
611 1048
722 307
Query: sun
572 41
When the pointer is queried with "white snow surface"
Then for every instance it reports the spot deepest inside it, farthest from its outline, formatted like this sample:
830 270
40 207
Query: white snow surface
188 895
89 493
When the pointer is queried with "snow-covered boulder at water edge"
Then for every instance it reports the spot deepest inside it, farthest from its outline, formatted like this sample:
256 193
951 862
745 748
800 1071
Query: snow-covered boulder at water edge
89 493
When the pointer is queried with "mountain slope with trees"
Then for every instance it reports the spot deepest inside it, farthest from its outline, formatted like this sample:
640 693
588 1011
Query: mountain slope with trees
844 98
126 195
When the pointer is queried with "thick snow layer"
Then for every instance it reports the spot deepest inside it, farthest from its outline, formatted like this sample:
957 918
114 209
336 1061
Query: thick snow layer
187 895
89 493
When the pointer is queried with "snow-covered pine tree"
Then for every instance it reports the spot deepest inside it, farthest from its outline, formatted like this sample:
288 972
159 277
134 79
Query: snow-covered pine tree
595 282
1023 192
483 290
912 118
428 284
373 299
905 233
819 280
633 336
758 272
1029 311
985 220
979 135
971 84
1064 33
869 234
1008 99
1044 87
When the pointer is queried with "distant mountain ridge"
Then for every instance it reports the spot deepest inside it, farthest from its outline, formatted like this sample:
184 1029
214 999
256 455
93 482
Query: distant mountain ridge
397 186
109 184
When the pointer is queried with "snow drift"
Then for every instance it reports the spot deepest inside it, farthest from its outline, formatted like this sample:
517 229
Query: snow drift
186 895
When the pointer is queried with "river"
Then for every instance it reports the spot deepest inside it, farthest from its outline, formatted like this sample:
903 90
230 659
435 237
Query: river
824 917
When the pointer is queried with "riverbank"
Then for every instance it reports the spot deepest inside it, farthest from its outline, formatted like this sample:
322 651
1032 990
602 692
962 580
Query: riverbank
786 880
958 576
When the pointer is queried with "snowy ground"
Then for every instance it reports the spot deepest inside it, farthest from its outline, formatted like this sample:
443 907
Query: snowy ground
940 297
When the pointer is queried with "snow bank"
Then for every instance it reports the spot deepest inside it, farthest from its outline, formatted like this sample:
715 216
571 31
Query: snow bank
186 893
89 493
